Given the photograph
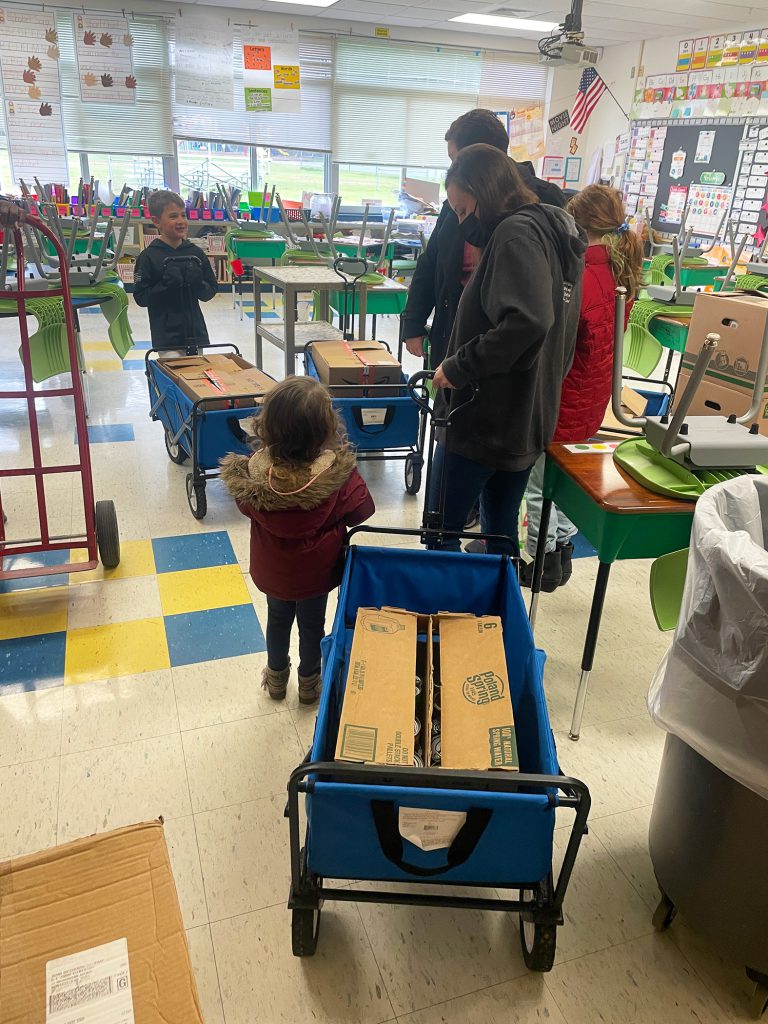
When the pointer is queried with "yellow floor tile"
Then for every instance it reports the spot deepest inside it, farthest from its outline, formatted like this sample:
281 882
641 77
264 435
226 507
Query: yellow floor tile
32 612
197 589
122 649
98 346
136 559
104 365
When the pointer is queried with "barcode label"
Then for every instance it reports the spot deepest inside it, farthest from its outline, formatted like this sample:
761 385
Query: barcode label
92 986
359 743
60 1001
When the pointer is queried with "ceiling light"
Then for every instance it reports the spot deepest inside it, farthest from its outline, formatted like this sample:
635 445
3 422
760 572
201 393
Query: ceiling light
496 21
305 3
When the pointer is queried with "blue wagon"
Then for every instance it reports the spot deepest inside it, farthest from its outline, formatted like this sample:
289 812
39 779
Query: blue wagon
200 430
352 809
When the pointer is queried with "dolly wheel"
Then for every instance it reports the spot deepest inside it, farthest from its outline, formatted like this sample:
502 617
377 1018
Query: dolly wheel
539 941
175 452
413 464
198 503
664 914
107 534
305 927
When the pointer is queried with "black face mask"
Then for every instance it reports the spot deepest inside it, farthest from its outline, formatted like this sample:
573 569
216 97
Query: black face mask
474 232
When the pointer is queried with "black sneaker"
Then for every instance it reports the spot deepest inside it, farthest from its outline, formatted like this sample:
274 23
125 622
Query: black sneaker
476 547
566 560
552 575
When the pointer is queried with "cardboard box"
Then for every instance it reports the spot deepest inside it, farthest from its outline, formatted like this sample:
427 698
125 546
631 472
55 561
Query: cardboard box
219 375
632 404
377 716
477 723
108 904
715 399
741 320
356 362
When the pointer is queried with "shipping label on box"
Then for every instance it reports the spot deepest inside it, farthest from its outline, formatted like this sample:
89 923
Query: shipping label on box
377 717
477 723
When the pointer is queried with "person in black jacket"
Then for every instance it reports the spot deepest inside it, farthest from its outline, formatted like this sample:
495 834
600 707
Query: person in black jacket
171 276
448 260
514 338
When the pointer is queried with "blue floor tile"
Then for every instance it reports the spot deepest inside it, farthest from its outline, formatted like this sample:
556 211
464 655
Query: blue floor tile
98 433
32 662
134 364
213 634
88 310
143 345
35 582
193 551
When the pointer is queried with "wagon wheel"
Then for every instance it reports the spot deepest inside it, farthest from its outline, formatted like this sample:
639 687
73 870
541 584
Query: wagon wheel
175 451
538 940
107 534
413 464
305 921
664 914
198 503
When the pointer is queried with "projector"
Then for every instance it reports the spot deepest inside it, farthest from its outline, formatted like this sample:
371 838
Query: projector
570 53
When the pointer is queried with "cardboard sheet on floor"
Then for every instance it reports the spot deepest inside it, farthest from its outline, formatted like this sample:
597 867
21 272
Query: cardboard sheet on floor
91 931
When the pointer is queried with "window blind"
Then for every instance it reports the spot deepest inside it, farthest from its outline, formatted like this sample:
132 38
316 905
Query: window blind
308 130
506 82
394 101
141 128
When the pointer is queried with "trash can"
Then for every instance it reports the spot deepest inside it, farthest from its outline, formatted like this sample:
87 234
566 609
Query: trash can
709 827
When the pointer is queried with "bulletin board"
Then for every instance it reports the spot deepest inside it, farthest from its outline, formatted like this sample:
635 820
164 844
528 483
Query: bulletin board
718 151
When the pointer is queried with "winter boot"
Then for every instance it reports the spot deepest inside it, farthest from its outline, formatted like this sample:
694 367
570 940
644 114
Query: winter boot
309 688
276 683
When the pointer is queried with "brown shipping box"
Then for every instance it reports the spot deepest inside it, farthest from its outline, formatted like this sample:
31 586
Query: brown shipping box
632 404
377 716
356 363
741 322
95 923
218 375
713 398
478 728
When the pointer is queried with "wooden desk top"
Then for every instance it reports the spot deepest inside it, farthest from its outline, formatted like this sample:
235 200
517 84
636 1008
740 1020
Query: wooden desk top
683 321
610 487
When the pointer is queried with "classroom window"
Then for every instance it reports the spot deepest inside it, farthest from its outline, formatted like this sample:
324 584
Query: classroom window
362 183
436 175
204 163
291 171
120 169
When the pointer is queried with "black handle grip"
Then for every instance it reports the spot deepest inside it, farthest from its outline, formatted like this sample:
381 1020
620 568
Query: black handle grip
462 847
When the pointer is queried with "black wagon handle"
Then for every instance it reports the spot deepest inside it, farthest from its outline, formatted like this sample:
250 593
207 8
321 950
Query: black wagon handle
344 266
460 850
418 381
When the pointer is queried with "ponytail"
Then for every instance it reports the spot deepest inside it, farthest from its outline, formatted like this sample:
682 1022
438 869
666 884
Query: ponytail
600 211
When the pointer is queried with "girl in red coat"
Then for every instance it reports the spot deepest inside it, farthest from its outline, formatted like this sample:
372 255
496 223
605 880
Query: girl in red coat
614 257
301 491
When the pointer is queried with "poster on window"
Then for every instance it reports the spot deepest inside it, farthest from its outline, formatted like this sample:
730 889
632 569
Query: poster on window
104 48
31 87
204 52
271 71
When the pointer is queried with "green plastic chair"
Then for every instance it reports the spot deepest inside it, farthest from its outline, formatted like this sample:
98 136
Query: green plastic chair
642 351
666 585
49 352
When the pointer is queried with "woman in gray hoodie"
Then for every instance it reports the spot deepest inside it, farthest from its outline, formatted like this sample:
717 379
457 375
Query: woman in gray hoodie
514 337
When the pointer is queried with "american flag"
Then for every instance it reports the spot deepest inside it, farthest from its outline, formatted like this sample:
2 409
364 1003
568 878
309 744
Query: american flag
591 88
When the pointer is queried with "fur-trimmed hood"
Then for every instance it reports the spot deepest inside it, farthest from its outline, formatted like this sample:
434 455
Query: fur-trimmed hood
270 487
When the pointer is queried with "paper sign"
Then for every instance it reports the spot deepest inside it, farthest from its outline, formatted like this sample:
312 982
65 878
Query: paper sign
104 48
671 212
381 32
90 987
593 448
428 829
554 167
704 148
204 62
287 76
748 50
732 49
559 121
257 58
258 99
684 55
677 166
715 51
762 48
699 59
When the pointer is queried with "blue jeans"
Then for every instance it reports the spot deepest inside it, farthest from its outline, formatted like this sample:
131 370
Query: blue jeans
500 493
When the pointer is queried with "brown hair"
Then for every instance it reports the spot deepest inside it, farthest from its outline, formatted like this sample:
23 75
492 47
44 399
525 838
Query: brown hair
162 198
493 179
478 126
600 211
298 421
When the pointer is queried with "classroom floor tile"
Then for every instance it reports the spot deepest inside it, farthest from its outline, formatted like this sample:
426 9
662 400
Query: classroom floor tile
102 433
123 649
196 590
33 612
137 558
32 662
49 558
173 554
104 603
213 634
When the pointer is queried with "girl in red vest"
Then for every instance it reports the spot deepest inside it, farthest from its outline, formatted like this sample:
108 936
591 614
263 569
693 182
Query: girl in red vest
614 257
301 491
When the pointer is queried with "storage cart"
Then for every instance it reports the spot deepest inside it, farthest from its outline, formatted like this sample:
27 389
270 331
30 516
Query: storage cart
101 539
201 430
352 809
380 425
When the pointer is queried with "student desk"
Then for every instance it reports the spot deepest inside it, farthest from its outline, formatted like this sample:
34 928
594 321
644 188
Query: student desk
672 332
388 296
251 250
619 517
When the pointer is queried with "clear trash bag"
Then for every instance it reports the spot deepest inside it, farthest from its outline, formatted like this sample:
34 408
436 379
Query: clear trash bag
711 689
